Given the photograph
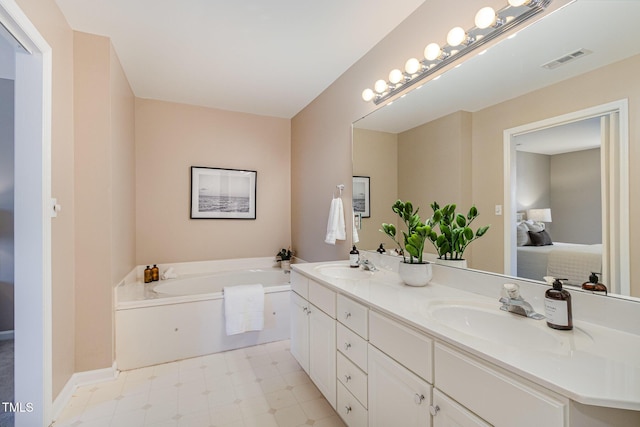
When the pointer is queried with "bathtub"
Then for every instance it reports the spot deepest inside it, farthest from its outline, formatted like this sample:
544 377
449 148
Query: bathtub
181 318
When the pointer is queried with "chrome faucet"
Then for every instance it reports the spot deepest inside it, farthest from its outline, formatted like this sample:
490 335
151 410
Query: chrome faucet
514 303
367 265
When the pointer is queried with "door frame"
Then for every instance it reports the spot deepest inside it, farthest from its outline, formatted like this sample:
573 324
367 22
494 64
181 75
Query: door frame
32 223
618 241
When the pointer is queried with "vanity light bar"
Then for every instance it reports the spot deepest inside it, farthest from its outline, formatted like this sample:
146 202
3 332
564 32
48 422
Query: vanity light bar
489 25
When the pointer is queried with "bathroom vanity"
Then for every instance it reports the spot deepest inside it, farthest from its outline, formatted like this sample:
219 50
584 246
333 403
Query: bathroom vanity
383 353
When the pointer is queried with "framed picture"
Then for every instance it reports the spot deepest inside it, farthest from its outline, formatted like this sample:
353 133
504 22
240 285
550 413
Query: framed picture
223 193
361 196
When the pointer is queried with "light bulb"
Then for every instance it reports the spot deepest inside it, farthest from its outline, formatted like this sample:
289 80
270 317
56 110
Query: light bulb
395 76
412 66
516 3
456 36
432 51
485 18
367 95
380 86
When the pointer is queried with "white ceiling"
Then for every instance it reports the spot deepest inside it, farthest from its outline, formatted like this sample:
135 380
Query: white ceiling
575 136
264 57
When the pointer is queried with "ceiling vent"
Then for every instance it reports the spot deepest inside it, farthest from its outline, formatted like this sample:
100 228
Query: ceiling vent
566 58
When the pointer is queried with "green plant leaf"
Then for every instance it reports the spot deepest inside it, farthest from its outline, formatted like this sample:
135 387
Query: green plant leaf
461 220
468 233
482 231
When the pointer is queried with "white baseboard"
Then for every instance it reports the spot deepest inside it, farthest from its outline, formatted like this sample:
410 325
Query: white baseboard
80 379
6 335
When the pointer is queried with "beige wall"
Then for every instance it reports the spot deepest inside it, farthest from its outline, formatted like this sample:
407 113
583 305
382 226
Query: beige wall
170 138
428 170
104 189
375 154
52 25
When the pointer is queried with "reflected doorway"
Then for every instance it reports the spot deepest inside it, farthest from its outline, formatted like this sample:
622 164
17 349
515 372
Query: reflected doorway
613 122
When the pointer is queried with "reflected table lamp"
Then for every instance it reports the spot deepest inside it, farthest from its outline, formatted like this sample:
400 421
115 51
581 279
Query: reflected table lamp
539 215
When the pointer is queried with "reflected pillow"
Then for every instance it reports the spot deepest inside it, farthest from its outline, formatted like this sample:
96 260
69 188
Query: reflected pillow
541 238
522 234
534 226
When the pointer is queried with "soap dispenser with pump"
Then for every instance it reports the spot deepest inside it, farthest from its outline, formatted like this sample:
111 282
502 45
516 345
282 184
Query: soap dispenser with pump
594 285
354 257
557 307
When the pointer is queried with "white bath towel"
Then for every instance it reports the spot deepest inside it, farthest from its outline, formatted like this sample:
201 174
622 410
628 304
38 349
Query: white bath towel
169 274
354 236
243 308
335 225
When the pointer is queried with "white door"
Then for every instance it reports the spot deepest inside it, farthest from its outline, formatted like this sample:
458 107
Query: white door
322 353
397 397
300 330
449 413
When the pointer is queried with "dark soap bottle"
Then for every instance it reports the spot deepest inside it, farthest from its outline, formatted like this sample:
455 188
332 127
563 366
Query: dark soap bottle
354 258
557 305
148 275
155 273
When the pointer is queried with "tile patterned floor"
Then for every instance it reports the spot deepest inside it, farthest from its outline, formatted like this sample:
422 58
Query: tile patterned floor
261 386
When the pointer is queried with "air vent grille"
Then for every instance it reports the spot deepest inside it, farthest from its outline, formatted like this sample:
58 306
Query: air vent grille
566 58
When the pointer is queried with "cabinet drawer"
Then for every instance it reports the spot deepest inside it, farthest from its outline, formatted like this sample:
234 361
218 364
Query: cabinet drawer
300 284
412 349
451 413
352 378
353 315
353 346
350 410
323 298
494 395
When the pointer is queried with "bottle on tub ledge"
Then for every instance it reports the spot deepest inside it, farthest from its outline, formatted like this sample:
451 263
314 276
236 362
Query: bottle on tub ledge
155 273
557 307
354 258
148 275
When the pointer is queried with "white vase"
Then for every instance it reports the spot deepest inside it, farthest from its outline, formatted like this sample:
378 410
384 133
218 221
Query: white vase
459 263
285 265
415 274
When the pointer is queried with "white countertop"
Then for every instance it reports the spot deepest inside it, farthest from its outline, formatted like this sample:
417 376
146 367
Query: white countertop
592 364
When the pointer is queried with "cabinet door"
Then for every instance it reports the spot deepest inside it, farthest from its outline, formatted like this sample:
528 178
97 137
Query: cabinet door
300 330
322 353
397 397
448 413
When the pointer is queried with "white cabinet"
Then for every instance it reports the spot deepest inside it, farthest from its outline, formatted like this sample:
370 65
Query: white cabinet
496 396
322 353
397 397
449 413
300 330
313 333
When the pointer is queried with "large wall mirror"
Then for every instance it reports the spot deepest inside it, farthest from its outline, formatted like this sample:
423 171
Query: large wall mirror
536 125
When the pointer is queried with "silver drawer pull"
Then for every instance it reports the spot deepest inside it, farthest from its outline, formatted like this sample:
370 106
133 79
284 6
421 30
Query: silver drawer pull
347 315
305 309
347 378
418 398
347 409
434 410
347 346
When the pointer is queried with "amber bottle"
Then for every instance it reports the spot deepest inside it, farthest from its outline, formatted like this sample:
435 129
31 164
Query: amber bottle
148 277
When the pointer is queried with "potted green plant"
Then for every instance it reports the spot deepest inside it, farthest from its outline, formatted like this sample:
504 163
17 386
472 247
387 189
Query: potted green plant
284 258
413 270
455 232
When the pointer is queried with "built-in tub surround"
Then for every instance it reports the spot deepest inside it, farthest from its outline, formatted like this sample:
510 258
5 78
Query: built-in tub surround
596 366
179 318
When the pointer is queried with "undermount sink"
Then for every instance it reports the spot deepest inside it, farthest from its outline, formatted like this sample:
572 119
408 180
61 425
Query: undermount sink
488 322
341 271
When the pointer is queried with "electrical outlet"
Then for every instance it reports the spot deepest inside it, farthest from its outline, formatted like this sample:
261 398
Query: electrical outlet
498 209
